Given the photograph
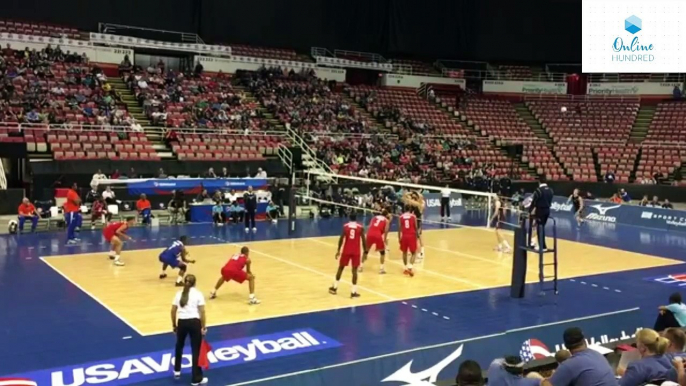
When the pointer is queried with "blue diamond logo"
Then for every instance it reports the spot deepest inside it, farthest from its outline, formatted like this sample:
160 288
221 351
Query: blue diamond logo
633 24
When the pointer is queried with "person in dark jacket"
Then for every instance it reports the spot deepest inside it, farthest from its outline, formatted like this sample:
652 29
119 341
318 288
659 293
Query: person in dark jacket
250 204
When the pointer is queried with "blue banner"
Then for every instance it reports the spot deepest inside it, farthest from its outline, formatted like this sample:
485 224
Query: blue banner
193 185
432 204
611 213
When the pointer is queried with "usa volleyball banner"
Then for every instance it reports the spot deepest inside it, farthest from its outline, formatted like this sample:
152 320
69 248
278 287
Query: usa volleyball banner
192 185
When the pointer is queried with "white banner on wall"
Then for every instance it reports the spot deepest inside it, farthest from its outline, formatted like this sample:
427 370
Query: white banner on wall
231 65
524 87
643 88
415 81
96 54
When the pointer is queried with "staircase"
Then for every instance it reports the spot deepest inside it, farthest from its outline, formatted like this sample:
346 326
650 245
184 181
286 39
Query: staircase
642 123
156 137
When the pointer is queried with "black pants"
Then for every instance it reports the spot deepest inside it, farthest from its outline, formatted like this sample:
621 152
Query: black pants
665 319
192 328
541 218
219 218
250 218
273 214
445 206
236 217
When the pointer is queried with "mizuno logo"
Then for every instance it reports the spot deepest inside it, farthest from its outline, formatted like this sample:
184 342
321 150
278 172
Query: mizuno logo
422 378
602 210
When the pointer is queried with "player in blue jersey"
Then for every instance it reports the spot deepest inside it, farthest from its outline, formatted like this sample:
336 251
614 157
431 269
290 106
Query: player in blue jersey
176 256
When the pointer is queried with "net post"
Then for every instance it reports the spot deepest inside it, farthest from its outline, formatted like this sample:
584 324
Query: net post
488 211
291 205
307 185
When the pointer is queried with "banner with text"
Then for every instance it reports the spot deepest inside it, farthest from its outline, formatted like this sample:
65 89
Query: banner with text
611 213
524 87
192 185
644 88
231 65
415 81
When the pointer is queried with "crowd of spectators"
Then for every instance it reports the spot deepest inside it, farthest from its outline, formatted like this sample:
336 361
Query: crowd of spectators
52 86
191 98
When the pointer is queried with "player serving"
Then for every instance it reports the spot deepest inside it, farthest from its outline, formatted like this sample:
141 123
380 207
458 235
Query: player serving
377 235
233 270
497 219
416 202
352 240
114 234
408 234
176 256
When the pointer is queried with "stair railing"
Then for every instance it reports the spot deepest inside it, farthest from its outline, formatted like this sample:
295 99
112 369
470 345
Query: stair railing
297 140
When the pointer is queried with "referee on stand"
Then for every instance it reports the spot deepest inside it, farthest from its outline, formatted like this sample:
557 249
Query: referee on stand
188 319
250 203
445 203
540 211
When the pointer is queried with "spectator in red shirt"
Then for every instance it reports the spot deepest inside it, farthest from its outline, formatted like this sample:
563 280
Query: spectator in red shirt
27 211
98 210
72 214
144 209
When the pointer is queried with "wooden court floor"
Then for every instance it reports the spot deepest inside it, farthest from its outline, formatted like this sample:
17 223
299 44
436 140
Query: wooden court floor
292 275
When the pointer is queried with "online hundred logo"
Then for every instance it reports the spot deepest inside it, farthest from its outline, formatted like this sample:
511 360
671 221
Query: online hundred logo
631 49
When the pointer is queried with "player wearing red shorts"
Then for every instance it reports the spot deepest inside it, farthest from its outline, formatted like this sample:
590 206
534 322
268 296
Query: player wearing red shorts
408 234
352 240
114 234
377 235
233 270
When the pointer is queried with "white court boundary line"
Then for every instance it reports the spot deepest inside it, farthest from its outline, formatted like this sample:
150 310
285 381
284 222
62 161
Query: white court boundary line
430 347
430 272
105 306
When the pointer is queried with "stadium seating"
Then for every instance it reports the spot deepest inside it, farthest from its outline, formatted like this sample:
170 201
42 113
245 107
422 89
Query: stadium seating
38 29
512 72
618 158
499 120
223 147
414 67
73 145
259 52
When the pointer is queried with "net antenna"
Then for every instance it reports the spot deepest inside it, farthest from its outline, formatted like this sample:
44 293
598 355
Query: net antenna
486 195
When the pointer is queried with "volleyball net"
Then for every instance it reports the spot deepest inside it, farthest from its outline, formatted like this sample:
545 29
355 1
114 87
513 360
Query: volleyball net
368 196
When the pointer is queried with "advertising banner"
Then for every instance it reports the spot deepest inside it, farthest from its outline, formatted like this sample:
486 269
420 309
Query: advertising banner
432 204
645 88
415 81
610 213
192 185
524 87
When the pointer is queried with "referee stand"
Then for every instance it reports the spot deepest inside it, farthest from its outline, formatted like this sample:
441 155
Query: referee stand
546 257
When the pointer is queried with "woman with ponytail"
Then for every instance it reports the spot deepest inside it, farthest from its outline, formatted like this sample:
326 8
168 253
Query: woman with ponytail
653 365
188 319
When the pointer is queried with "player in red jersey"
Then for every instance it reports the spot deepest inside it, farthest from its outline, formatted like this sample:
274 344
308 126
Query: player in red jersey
233 270
352 240
115 233
408 233
377 235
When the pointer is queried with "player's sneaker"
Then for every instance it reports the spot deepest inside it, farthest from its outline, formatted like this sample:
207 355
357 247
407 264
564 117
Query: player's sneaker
408 272
72 242
333 291
254 301
213 295
163 275
498 249
119 263
179 284
382 271
507 250
360 269
254 229
203 382
247 230
111 257
177 375
354 295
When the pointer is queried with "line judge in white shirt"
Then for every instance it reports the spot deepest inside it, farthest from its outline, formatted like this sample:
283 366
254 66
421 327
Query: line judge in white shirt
188 319
445 203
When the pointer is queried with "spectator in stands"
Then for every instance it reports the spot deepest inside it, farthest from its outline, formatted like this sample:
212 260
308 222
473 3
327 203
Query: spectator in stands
644 201
197 71
116 174
584 367
562 355
97 177
655 203
109 196
667 205
27 212
125 65
210 173
99 211
469 374
144 209
616 199
509 371
225 173
610 177
624 195
676 92
161 173
203 196
218 215
132 173
261 173
653 364
671 315
677 341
